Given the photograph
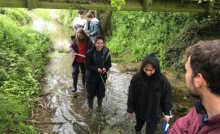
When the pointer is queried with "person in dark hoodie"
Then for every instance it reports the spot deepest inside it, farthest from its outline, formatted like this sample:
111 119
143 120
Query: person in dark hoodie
80 44
98 62
149 96
203 82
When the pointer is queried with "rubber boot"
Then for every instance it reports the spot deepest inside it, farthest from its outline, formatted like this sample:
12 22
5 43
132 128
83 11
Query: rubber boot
75 81
83 79
90 103
99 102
138 132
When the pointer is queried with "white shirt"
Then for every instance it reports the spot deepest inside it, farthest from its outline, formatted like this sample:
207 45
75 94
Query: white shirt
79 21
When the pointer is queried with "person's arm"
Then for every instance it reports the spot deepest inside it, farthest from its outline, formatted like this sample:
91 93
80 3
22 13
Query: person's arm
71 44
166 100
88 62
85 28
84 23
131 99
90 44
184 124
107 62
95 29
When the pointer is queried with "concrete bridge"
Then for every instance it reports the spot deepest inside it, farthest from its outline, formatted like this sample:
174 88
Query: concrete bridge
130 5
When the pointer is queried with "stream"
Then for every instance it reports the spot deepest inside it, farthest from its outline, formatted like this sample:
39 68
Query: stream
68 112
60 111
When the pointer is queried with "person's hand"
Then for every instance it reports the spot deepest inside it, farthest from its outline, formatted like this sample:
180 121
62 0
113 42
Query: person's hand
88 34
129 114
73 54
99 70
166 118
103 70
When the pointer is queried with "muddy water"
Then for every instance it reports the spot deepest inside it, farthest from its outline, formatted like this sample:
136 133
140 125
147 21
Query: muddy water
63 112
67 112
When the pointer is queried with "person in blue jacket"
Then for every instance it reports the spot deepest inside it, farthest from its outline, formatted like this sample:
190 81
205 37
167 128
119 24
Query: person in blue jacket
94 25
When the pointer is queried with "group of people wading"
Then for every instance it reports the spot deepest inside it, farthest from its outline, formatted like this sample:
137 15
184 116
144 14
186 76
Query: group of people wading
149 93
91 57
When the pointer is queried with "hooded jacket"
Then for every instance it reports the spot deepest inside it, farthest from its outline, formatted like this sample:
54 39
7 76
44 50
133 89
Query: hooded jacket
148 96
195 122
92 74
94 30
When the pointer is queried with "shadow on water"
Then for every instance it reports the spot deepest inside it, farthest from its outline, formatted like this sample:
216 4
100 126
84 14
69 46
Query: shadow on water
58 110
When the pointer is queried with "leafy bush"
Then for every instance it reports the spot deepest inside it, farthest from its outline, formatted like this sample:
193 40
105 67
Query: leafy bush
22 56
13 113
137 34
19 16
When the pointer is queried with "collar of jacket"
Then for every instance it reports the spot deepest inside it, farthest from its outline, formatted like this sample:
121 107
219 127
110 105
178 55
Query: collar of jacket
200 108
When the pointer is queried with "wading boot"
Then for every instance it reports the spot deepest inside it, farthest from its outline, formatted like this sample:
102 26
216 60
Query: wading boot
99 102
90 103
75 80
83 79
137 132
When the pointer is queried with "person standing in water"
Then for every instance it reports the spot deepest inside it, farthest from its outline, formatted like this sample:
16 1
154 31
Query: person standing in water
98 62
80 44
149 96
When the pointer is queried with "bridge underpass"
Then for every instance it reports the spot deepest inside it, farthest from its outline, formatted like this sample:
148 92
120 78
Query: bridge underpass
212 6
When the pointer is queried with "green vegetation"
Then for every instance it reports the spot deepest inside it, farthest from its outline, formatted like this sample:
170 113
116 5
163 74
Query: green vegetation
22 57
19 16
64 17
137 34
117 3
23 51
45 14
110 130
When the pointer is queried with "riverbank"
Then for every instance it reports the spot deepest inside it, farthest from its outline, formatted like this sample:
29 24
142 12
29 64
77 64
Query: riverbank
23 53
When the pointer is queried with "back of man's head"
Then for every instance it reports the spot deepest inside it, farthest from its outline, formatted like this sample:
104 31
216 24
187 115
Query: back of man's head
205 59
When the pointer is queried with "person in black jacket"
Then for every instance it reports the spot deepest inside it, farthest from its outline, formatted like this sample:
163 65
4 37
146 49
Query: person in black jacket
98 62
80 44
149 96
